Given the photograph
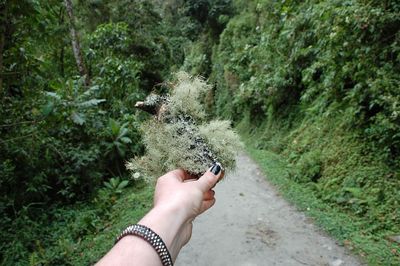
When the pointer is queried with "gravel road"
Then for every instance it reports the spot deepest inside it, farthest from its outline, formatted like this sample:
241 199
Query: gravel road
251 224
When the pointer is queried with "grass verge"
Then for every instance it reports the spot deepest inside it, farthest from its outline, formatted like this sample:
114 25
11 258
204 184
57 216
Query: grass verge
347 229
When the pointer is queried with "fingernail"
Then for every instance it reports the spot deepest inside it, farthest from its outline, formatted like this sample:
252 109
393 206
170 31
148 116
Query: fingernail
216 168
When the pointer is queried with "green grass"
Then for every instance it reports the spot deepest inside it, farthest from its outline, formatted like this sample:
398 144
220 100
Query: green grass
346 228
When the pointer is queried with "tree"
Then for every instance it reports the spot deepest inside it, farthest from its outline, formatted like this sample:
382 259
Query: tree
2 41
76 44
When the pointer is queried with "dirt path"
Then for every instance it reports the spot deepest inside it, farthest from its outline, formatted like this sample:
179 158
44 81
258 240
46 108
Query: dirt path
251 225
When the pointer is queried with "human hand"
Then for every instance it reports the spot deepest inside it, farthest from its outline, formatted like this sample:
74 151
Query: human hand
178 199
179 191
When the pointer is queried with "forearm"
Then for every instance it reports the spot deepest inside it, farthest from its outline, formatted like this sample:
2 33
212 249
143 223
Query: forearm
132 250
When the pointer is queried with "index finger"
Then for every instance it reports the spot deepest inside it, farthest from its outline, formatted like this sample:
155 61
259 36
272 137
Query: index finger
180 175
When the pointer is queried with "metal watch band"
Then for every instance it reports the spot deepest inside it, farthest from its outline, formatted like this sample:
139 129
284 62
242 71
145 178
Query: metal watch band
152 238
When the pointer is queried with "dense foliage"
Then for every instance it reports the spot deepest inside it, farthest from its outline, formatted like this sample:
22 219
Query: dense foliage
317 82
64 139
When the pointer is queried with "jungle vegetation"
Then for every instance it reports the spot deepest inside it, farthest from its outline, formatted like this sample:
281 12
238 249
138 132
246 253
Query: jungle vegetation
316 83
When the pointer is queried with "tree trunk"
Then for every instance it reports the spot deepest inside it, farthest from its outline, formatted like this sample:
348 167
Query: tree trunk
75 43
2 41
62 72
2 44
61 56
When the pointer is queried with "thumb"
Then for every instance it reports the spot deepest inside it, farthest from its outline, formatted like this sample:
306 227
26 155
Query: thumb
210 178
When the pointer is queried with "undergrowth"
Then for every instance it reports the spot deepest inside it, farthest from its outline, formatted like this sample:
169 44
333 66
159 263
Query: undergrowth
334 180
79 234
316 82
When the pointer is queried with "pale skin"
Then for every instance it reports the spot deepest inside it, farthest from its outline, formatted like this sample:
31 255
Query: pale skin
178 200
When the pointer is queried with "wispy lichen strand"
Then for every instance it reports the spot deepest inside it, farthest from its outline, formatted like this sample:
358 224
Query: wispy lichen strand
179 136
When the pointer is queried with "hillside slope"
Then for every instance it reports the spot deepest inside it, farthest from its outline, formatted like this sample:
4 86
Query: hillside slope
318 83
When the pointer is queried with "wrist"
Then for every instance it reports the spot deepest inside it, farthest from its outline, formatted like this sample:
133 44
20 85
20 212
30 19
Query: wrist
168 223
170 211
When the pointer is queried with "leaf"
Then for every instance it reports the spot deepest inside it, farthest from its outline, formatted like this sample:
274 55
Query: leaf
91 90
48 108
53 95
91 103
107 185
114 182
78 118
126 140
122 132
123 184
114 127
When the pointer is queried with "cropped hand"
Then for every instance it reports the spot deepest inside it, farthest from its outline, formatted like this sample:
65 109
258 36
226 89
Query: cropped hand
178 199
180 193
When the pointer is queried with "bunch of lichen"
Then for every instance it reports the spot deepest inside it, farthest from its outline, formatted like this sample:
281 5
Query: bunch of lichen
180 136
